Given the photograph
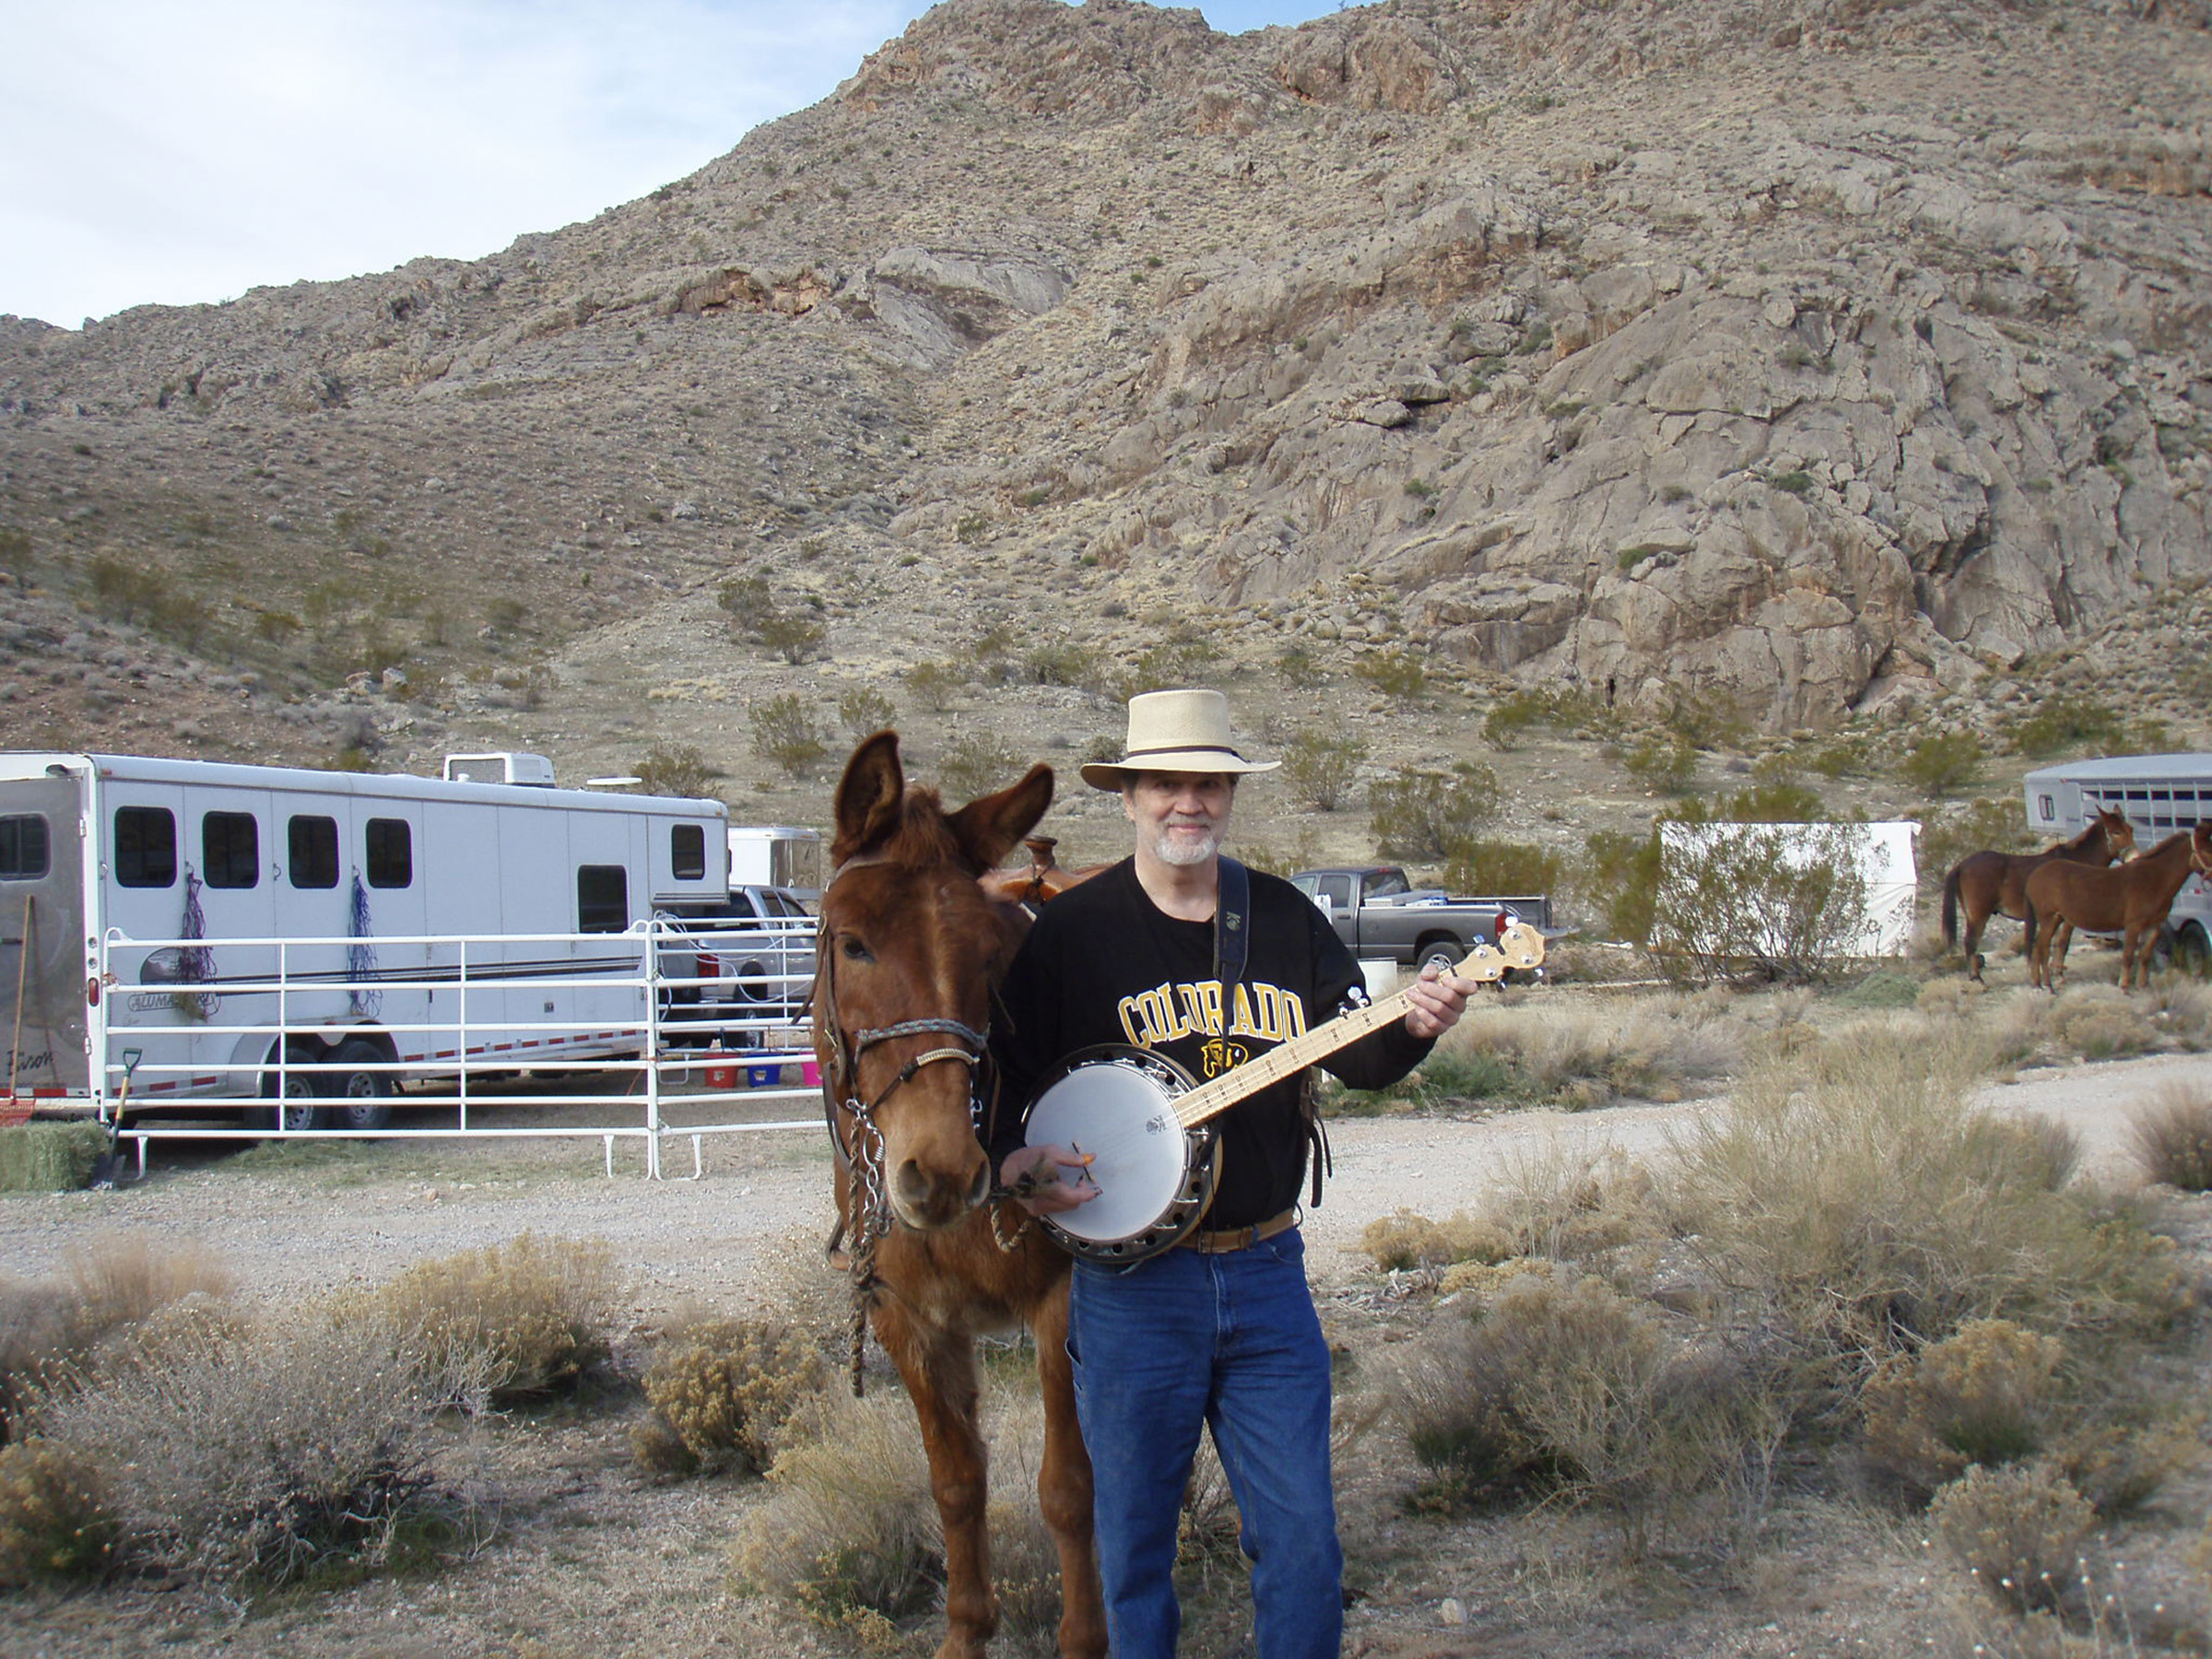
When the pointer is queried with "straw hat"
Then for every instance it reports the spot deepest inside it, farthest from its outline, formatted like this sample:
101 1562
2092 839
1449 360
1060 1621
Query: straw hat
1174 732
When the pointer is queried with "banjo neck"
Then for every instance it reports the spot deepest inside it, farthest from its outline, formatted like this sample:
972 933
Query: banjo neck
1210 1099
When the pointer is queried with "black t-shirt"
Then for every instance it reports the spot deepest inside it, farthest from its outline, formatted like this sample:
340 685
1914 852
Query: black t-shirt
1105 965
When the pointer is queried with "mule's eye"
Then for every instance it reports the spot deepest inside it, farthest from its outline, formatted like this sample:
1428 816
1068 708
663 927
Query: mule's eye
854 950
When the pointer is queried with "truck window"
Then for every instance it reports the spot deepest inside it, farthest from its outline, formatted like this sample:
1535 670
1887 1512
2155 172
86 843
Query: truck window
1337 890
1383 885
145 847
602 899
312 852
687 850
23 847
391 853
230 849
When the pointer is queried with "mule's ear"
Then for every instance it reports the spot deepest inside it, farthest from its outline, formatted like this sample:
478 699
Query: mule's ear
989 825
869 796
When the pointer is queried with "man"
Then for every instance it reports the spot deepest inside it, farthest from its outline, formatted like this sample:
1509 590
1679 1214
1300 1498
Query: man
1219 1332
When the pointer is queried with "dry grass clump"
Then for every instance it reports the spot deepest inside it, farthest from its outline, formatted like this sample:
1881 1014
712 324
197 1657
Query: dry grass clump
1585 1053
2100 1022
1403 1241
530 1317
2172 1136
722 1393
261 1454
49 1157
2018 1530
1577 1204
849 1537
118 1289
53 1523
1564 1385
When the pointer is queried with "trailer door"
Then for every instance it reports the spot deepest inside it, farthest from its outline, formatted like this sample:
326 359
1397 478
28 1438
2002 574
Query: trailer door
42 935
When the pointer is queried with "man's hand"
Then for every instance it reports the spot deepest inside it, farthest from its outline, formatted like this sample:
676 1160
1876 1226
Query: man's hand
1435 1001
1046 1180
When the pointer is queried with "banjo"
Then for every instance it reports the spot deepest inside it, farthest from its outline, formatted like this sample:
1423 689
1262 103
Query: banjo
1142 1121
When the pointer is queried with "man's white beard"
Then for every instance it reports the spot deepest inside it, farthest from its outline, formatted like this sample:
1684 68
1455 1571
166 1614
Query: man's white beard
1169 849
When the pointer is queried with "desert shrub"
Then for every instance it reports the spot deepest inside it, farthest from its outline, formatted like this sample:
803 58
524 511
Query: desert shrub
1573 1387
935 686
1397 672
677 769
975 763
1664 762
539 1309
1616 879
261 1455
722 1393
1064 662
1569 710
785 735
1943 763
1405 1240
744 598
864 711
1421 814
1450 1074
1882 988
2067 722
1655 1048
124 590
1983 1394
2018 1530
1321 768
1856 1200
795 638
1709 719
1484 865
16 554
1770 803
1761 903
54 1521
49 1157
2172 1137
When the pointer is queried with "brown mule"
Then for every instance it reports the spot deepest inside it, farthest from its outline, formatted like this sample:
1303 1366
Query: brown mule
2132 901
1991 884
912 948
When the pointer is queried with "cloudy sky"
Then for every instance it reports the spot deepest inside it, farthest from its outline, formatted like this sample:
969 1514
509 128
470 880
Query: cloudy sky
173 151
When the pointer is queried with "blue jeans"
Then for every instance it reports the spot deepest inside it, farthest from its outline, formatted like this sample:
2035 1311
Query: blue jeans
1230 1342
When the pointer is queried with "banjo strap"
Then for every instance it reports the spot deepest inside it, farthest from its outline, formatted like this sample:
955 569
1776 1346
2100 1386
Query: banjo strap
1232 945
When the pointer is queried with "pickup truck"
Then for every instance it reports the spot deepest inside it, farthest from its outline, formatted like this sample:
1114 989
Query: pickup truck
1379 913
747 958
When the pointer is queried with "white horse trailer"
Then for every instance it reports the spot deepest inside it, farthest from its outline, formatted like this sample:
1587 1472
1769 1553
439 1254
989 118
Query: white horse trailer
2161 796
184 929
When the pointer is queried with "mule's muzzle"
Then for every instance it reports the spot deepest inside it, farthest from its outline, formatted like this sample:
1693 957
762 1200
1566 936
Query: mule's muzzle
926 1197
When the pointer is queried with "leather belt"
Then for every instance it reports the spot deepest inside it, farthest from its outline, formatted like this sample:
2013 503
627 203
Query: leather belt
1239 1238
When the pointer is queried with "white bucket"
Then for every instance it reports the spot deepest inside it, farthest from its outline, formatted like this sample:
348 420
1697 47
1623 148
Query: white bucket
1383 977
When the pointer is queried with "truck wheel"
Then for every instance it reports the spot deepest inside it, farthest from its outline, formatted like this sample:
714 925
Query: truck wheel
301 1108
360 1099
1444 953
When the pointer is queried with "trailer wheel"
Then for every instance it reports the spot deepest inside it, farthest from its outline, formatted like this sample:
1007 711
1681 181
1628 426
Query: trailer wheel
301 1096
2193 949
360 1099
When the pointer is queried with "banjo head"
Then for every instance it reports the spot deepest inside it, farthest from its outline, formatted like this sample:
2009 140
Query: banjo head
1154 1176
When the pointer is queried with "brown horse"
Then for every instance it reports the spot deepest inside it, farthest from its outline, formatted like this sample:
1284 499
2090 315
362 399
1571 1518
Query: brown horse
2131 900
912 948
1991 884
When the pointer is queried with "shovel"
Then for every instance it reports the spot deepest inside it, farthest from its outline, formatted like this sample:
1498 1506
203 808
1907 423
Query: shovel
105 1166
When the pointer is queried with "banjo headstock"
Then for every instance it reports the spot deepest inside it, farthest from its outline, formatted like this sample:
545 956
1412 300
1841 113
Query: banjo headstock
1520 945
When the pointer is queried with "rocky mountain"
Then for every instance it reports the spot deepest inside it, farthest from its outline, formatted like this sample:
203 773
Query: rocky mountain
1809 358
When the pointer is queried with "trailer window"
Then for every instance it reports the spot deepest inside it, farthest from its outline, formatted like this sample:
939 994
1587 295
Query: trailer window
687 850
23 848
312 852
145 847
391 853
230 849
602 899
